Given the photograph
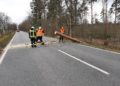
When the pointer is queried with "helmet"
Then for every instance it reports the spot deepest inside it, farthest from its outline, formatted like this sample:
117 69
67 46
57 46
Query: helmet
32 27
40 27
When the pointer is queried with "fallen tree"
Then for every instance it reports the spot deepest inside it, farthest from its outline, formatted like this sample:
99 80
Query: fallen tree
67 37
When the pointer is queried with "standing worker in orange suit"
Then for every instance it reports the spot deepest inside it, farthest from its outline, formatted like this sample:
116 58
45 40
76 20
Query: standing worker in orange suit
62 30
39 34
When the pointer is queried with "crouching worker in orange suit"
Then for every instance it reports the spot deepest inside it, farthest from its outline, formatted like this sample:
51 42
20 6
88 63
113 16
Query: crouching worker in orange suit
39 34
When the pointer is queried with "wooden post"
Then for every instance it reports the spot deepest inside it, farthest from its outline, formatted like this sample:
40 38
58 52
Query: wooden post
67 37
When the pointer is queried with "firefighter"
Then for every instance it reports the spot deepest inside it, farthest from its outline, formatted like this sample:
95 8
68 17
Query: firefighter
39 34
32 36
62 30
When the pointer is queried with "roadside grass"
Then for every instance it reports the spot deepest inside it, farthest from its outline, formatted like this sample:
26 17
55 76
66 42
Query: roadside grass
4 39
104 47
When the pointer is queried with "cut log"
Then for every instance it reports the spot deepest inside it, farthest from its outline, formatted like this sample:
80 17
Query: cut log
67 37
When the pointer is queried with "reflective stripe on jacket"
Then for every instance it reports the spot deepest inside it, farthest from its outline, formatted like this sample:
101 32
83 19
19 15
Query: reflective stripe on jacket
32 34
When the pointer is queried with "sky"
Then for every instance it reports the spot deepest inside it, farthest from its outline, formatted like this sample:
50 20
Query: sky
97 7
17 10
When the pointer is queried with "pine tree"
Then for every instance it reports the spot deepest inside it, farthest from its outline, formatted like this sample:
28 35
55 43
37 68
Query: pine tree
54 12
37 10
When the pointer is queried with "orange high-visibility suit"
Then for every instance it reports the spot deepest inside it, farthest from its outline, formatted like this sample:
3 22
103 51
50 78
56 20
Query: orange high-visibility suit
62 30
39 34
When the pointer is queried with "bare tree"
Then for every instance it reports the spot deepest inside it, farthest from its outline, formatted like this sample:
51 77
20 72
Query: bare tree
4 20
115 9
83 11
91 3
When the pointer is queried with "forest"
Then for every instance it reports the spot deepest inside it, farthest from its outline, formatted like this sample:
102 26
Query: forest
79 18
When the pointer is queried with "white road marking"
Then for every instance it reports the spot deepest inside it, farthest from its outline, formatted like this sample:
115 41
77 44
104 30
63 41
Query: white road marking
90 65
101 49
5 50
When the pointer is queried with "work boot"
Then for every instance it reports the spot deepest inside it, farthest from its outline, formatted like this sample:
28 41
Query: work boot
42 43
32 45
35 46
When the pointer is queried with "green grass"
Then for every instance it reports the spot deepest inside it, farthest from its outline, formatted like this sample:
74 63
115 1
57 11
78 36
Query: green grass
4 39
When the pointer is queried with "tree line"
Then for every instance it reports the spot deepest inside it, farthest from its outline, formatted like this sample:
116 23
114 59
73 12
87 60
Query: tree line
51 14
5 24
77 10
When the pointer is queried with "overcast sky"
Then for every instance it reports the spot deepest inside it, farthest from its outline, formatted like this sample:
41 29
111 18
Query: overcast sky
98 7
19 9
16 9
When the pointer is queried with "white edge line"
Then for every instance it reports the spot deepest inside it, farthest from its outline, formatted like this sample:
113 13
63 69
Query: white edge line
100 49
92 66
5 50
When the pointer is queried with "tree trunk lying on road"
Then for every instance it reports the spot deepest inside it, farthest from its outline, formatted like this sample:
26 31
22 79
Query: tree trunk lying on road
67 37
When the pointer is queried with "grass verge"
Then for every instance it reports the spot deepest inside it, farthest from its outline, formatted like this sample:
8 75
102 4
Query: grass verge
4 39
103 47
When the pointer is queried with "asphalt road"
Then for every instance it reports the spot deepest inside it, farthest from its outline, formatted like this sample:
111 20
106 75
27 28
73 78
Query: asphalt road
57 64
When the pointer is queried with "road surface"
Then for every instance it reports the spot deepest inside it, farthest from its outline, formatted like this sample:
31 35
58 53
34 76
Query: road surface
57 64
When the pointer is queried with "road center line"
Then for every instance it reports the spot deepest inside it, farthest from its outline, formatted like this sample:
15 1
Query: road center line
90 65
5 50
